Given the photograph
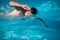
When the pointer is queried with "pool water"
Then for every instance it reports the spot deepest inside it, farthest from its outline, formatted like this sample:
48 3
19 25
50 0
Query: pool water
30 28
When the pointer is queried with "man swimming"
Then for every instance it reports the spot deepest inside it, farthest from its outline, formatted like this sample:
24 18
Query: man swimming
21 9
24 10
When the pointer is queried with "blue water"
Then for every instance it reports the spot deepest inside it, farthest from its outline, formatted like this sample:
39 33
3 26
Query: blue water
30 28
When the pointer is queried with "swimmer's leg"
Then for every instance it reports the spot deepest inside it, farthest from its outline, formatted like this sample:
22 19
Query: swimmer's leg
43 23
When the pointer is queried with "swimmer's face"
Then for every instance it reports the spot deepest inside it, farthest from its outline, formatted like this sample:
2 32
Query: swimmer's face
28 13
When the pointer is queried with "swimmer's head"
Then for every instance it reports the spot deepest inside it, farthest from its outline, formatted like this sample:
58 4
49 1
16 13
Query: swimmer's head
33 10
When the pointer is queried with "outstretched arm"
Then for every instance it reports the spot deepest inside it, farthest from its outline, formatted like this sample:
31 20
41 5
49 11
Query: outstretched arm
13 3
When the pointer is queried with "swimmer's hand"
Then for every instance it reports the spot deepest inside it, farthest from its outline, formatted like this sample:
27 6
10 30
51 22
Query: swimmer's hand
43 23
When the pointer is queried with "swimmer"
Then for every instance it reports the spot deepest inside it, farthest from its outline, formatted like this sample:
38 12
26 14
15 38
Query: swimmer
24 10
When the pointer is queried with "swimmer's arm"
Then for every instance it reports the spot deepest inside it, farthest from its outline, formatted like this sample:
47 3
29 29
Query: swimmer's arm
14 13
13 3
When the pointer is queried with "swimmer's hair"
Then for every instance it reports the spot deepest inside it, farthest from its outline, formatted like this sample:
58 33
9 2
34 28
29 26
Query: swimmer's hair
33 10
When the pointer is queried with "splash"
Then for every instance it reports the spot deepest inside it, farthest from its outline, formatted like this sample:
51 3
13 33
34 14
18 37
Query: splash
10 34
